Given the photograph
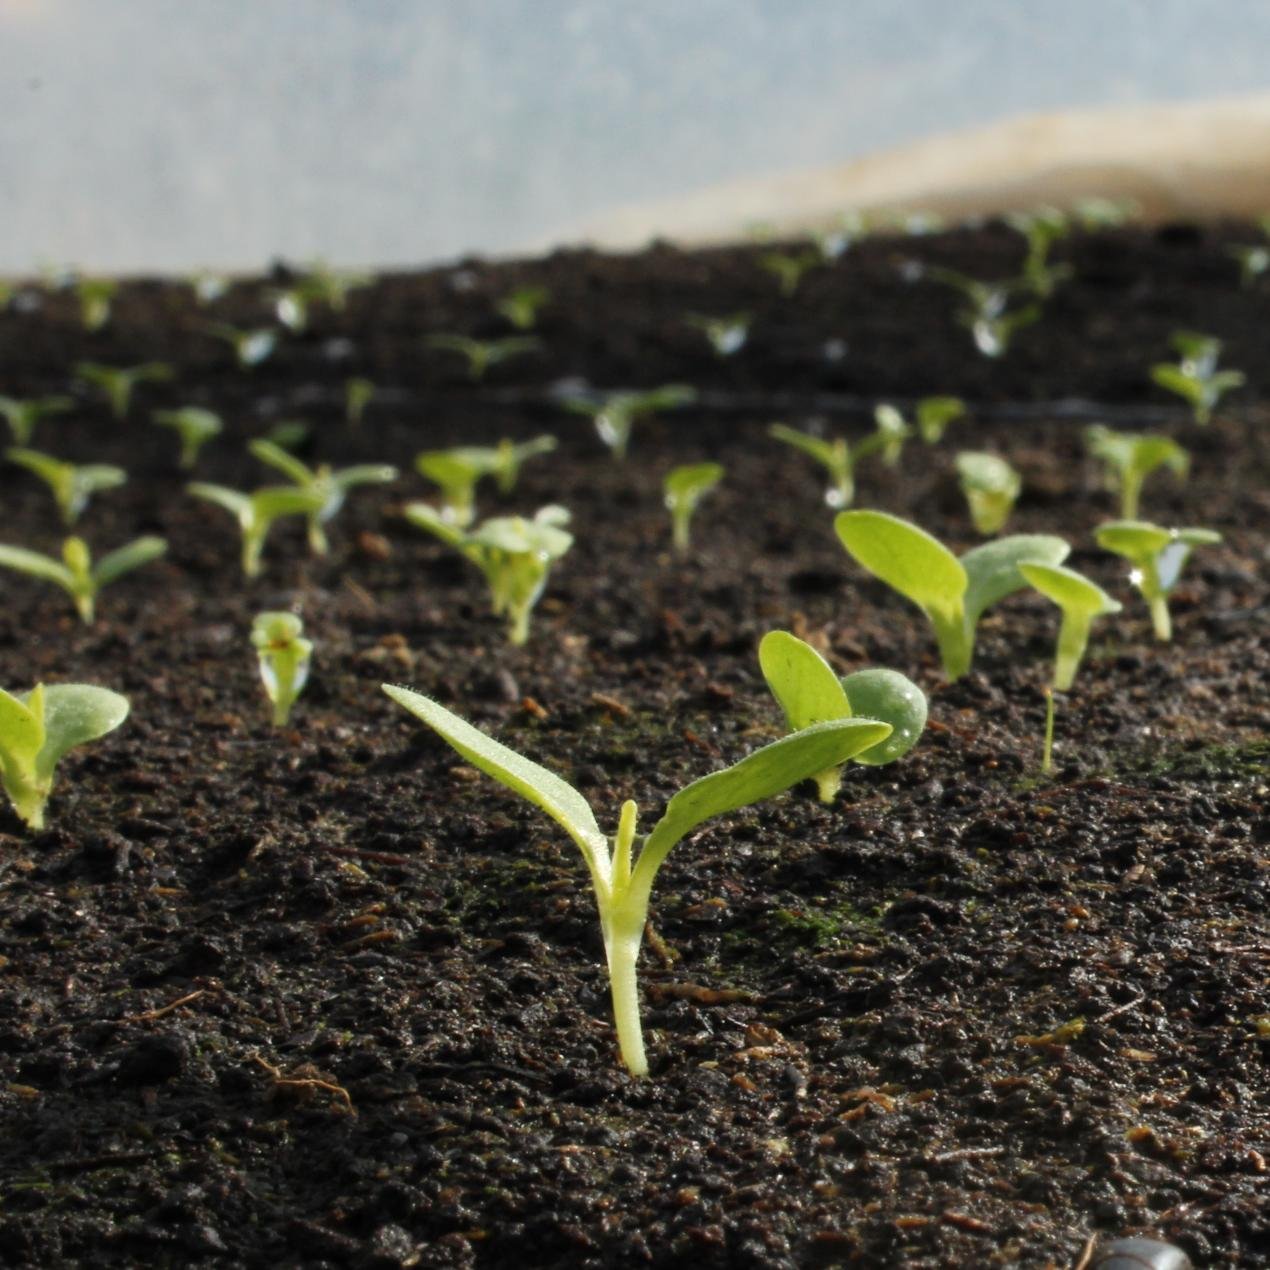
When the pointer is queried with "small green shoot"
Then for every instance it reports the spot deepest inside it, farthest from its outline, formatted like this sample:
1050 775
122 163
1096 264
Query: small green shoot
684 488
322 285
481 355
521 307
71 484
890 431
257 511
621 878
251 345
358 394
284 656
991 487
1195 378
22 416
1253 261
1080 601
193 425
992 325
617 413
117 383
95 295
1095 213
834 455
328 486
1041 229
37 728
789 267
726 335
934 414
76 574
1129 458
952 593
513 553
1158 556
458 471
809 692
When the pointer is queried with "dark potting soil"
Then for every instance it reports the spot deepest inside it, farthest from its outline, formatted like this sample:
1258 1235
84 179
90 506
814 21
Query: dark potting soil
326 996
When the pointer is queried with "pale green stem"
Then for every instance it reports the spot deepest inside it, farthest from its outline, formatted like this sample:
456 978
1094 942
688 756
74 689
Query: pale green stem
1160 620
1047 756
28 795
623 933
828 783
253 545
956 643
1073 636
680 520
318 545
1131 495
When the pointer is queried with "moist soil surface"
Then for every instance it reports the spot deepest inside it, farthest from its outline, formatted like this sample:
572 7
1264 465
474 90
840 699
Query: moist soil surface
326 996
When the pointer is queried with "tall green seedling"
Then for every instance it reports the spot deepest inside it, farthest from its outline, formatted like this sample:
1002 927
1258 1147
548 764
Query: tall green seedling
832 453
616 413
194 426
952 592
71 484
256 512
460 469
1128 458
991 487
118 383
482 355
37 728
683 489
76 573
622 875
1195 377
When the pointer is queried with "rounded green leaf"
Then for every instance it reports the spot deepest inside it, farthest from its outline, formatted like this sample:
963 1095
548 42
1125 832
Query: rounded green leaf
802 682
73 714
1071 591
1133 539
887 695
904 557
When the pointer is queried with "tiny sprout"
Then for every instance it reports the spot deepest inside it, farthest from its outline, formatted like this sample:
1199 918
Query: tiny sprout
809 692
952 592
284 660
833 455
616 414
322 285
95 295
251 347
22 416
328 486
1095 213
685 487
726 335
195 427
789 267
1195 378
889 434
934 414
458 471
1041 229
1080 601
521 307
256 512
622 881
118 382
71 484
985 315
1129 458
358 393
513 553
991 487
482 354
76 574
1158 557
207 287
38 727
1252 261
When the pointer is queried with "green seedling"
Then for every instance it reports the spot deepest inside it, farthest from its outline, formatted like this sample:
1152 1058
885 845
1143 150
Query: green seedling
195 427
458 471
328 486
834 455
71 484
616 414
1158 556
22 416
38 727
789 267
1129 458
482 354
934 414
991 487
890 431
1041 229
256 512
1080 601
952 592
622 875
284 656
808 691
358 394
207 287
95 295
521 307
1195 378
76 574
684 488
985 314
251 346
726 335
323 285
119 382
513 553
1253 261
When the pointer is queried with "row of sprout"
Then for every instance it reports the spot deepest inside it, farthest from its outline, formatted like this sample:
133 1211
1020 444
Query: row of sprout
873 716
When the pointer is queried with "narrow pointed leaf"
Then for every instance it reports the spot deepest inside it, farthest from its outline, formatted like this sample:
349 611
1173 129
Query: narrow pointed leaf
128 557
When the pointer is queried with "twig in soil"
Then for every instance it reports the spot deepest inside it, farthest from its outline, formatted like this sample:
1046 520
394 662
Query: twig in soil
1086 1253
963 1153
1122 1009
362 853
306 1082
148 1016
667 954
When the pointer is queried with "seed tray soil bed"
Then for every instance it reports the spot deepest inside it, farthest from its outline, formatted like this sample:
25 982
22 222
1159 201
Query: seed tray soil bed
327 997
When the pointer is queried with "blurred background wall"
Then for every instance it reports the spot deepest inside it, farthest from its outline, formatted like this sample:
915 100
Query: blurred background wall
169 134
